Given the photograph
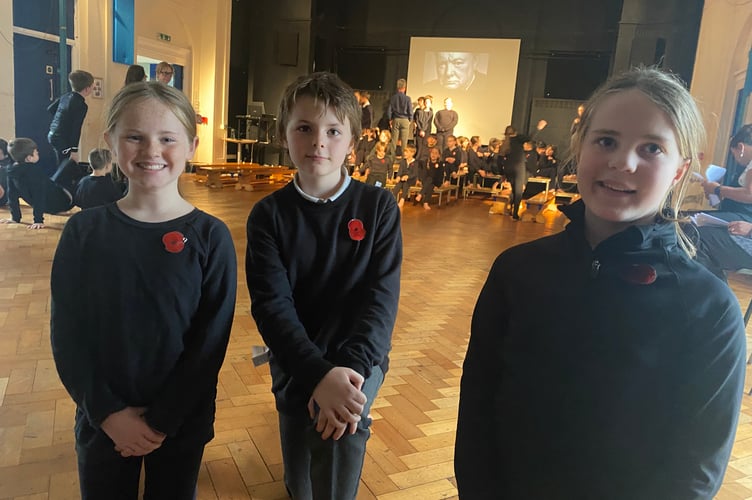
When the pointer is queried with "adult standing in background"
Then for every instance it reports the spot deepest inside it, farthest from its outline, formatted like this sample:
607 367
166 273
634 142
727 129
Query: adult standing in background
445 121
513 152
164 72
400 112
134 74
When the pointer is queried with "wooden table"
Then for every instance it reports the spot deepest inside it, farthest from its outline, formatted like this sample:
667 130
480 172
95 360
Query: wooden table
249 174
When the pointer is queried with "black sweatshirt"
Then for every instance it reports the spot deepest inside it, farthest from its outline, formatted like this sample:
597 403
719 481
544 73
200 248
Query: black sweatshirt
28 181
135 324
320 297
94 191
609 373
68 112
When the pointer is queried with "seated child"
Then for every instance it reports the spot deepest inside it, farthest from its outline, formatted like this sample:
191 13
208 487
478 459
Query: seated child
377 166
407 175
433 174
99 188
5 162
422 157
27 181
385 138
365 145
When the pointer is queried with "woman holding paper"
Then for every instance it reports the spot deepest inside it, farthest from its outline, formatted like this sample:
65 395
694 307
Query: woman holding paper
728 247
736 191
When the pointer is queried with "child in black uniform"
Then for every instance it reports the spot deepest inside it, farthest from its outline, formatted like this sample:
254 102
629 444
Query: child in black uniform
29 182
407 175
68 113
5 162
99 188
323 269
628 383
432 174
143 297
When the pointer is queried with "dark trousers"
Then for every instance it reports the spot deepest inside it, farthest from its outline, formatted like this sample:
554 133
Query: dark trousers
171 470
404 188
441 140
317 469
718 251
517 180
420 144
377 179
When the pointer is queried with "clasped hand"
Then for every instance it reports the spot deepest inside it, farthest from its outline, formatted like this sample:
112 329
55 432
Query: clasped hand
131 434
340 401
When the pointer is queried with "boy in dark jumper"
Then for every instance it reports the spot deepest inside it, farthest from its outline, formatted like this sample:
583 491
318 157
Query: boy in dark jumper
27 181
323 271
68 113
98 188
407 175
377 167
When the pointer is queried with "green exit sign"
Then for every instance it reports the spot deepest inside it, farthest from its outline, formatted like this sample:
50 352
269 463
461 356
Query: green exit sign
165 37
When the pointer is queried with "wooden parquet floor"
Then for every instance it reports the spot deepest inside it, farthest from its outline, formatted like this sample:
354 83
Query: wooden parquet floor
447 254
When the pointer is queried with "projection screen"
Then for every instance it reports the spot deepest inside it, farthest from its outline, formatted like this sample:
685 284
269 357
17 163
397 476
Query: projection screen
479 74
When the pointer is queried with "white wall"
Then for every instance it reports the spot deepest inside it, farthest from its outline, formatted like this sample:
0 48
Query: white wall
720 67
200 28
7 112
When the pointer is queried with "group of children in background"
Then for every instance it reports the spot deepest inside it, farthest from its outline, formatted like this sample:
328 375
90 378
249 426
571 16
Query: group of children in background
462 161
22 179
70 185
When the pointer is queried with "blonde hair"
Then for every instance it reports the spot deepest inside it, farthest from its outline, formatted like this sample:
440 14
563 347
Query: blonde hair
670 95
170 97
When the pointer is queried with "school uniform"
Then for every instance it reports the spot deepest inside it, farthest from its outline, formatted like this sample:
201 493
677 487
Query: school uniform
28 181
140 317
333 304
613 372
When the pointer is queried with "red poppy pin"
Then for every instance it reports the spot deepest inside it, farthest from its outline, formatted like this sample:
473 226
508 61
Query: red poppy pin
174 241
639 274
356 229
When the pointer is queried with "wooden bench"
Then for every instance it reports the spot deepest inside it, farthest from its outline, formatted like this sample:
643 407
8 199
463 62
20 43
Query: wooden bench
440 191
246 175
476 187
535 206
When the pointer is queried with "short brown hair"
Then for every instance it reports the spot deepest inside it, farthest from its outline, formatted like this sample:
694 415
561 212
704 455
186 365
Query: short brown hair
80 79
99 158
20 148
327 91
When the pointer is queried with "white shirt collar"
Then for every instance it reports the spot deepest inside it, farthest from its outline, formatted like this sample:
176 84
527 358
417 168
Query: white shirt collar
314 199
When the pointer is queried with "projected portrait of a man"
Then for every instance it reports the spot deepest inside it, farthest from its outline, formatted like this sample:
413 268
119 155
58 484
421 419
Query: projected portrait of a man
459 71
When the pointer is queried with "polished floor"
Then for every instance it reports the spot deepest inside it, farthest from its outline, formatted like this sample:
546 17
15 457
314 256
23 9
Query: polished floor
447 254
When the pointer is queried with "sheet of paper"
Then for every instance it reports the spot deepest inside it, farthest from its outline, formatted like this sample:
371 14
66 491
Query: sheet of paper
705 219
714 173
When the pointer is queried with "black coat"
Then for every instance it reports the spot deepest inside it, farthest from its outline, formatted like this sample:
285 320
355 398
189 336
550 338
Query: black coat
615 372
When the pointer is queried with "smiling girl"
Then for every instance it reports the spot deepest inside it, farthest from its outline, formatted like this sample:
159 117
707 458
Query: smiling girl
623 378
143 297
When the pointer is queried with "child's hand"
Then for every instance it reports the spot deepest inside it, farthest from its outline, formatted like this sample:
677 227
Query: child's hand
404 178
37 225
130 432
340 402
